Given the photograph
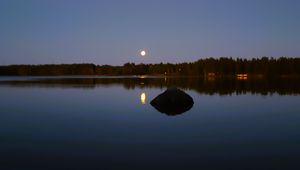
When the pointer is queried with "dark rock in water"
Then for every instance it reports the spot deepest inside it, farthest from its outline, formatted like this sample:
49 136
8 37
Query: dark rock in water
173 102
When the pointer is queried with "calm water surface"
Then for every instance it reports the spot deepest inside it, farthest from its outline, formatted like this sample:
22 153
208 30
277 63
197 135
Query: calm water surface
79 122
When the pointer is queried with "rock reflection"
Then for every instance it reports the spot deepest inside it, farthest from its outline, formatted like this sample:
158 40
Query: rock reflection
173 102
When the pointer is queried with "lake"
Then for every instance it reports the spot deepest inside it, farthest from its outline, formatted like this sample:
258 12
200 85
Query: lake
108 122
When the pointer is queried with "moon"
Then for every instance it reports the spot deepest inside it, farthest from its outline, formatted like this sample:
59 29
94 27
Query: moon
143 53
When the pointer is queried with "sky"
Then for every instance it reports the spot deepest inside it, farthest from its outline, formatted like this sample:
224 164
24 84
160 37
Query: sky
114 31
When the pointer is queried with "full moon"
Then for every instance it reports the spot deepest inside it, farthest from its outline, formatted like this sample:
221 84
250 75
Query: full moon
143 53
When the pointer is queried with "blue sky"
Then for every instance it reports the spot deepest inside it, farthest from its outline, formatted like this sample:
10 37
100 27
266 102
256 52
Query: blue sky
113 31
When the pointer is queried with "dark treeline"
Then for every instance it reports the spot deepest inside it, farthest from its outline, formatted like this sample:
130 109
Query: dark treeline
203 86
214 67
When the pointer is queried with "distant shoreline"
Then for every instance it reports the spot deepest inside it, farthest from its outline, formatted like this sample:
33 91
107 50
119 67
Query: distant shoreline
208 68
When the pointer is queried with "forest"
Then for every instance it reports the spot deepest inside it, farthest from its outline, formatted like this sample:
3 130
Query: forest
216 67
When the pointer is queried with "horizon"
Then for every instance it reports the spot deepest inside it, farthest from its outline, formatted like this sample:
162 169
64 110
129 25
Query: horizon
204 58
113 32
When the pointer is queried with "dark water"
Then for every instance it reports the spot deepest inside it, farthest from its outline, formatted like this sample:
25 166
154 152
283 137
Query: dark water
105 123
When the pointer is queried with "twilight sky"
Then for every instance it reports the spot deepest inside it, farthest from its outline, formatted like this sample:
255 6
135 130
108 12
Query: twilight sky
113 31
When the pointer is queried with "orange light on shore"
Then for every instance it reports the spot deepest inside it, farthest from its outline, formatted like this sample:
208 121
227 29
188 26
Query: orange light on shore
242 76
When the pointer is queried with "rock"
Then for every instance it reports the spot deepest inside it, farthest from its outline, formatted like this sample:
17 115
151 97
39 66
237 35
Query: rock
173 102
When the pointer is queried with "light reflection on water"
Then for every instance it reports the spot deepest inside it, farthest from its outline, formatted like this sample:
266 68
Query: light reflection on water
143 98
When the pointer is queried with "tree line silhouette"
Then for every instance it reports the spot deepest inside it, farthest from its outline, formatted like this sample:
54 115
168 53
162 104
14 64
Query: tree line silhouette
220 67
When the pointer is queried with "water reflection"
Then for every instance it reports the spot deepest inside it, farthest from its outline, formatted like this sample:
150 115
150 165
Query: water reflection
143 98
201 85
98 124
